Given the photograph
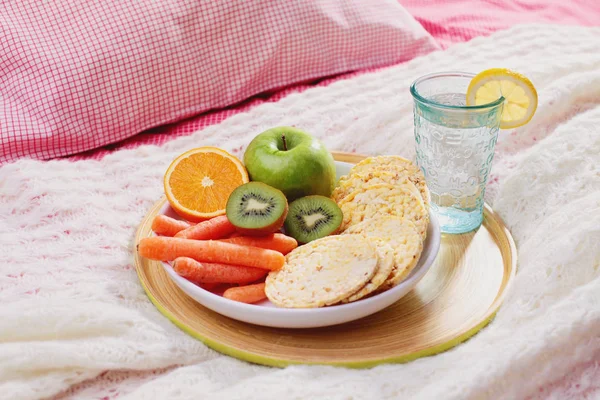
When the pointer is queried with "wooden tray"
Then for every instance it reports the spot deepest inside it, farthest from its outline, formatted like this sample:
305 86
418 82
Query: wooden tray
459 295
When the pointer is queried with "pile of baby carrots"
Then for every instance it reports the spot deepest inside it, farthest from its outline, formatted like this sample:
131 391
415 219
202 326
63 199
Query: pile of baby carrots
211 253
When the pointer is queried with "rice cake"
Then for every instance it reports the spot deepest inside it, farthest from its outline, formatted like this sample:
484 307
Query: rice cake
349 183
384 199
323 272
396 165
404 239
384 269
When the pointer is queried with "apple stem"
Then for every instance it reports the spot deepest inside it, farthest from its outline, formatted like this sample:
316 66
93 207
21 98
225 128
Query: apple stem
284 143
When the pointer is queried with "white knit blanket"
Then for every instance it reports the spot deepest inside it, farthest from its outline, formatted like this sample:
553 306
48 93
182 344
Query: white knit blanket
71 306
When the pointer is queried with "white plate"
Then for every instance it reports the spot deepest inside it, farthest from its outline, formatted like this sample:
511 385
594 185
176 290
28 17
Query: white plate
267 314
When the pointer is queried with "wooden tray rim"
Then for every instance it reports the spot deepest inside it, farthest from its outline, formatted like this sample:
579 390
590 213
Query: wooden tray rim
281 363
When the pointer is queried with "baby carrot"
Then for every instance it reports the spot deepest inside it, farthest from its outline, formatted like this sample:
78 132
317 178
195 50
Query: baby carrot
210 286
216 273
275 241
164 248
167 226
215 228
246 294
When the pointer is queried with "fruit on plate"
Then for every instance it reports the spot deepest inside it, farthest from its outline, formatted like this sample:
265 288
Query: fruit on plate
256 209
292 161
520 94
239 253
312 217
198 182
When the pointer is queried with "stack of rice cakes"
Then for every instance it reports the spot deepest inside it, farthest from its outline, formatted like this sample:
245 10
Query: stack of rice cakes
385 202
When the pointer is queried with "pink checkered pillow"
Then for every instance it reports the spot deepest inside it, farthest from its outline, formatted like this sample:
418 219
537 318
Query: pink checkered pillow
76 74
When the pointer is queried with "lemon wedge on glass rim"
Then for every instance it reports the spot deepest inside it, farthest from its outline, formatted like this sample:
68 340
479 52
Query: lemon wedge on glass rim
519 93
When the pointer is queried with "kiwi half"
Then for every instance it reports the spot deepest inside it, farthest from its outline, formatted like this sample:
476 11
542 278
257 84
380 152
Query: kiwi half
312 217
256 208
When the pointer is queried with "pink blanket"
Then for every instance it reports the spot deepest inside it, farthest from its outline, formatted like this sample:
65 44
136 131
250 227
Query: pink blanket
449 22
452 21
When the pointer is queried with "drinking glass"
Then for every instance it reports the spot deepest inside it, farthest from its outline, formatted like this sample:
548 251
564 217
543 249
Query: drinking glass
454 147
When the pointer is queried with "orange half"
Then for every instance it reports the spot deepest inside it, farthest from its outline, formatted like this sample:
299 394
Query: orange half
198 182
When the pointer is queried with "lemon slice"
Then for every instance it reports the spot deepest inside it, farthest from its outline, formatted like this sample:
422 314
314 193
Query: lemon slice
520 94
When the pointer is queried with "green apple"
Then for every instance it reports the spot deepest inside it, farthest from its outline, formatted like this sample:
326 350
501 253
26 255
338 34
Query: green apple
292 161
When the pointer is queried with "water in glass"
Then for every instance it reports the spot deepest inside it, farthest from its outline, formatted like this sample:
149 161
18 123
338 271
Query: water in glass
455 155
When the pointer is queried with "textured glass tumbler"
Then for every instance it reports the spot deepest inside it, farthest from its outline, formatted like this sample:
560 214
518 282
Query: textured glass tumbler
455 147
